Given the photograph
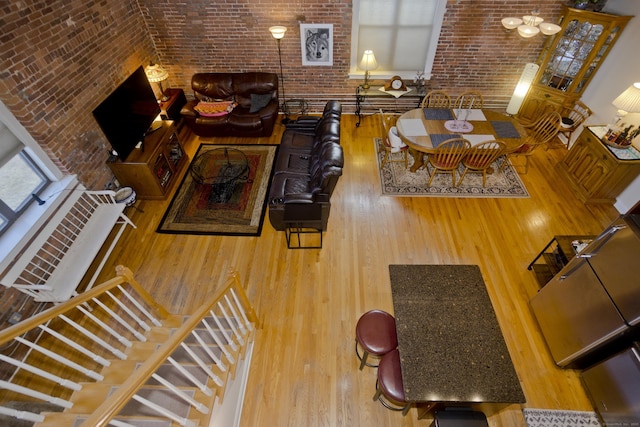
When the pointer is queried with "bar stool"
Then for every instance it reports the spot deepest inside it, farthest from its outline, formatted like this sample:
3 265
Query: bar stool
376 334
459 417
389 388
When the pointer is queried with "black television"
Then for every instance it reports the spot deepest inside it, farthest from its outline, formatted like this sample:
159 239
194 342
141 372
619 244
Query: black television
127 114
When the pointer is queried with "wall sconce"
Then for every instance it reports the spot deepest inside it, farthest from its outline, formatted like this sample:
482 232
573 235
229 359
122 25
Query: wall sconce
277 31
367 63
156 74
526 78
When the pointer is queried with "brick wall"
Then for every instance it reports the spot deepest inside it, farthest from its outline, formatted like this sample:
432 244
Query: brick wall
61 58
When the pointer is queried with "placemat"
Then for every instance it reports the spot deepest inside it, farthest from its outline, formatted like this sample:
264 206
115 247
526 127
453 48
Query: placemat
505 129
439 138
438 114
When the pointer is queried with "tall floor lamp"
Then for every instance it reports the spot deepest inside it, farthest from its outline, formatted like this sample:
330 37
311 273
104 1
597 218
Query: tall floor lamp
277 31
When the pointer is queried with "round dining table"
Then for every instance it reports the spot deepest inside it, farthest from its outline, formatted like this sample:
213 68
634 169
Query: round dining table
422 129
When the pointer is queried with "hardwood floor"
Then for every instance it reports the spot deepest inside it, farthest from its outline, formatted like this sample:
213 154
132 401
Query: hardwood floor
304 371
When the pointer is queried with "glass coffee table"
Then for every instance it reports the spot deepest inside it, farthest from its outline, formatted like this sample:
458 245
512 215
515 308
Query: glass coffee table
221 168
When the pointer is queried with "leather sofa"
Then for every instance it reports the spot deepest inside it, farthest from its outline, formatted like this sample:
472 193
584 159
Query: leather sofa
307 168
254 99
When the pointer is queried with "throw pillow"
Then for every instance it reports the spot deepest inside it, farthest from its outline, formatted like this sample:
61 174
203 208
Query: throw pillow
213 109
258 102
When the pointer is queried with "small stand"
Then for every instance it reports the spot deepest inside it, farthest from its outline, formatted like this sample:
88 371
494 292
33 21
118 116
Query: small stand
303 226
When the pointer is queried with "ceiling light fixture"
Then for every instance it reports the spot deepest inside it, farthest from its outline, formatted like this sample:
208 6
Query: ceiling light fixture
530 25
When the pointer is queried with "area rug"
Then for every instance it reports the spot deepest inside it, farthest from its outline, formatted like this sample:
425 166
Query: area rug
396 180
553 418
223 192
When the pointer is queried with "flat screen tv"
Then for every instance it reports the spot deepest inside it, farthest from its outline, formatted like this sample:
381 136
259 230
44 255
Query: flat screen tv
127 113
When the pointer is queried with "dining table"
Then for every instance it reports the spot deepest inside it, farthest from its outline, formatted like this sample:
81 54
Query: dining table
452 351
422 129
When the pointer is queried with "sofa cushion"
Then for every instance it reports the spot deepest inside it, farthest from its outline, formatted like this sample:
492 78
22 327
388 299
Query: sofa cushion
214 86
245 84
259 101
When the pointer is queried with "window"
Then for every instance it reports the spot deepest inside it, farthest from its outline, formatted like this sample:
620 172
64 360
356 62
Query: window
19 178
403 35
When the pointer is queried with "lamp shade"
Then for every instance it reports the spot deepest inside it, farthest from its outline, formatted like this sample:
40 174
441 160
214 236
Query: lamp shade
533 20
528 31
155 73
277 31
368 61
511 23
549 29
629 100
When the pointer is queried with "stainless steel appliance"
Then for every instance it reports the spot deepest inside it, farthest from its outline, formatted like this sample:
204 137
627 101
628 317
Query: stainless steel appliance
591 308
614 387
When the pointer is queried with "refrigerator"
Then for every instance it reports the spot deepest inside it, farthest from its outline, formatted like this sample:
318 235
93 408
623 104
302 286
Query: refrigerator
614 387
591 308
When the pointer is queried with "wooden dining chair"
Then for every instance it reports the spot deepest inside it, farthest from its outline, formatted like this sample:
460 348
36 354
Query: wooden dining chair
539 133
447 157
436 99
469 99
480 158
394 152
573 118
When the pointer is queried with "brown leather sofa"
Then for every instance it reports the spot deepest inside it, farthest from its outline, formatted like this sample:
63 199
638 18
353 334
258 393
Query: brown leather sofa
306 171
256 96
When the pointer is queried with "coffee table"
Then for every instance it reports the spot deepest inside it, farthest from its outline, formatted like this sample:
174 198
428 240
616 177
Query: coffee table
221 168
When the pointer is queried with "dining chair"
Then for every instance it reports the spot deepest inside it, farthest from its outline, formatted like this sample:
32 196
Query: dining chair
395 151
376 335
389 386
480 158
447 157
436 99
573 118
469 99
539 133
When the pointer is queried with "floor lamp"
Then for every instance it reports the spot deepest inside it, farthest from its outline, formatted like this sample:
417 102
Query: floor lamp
277 32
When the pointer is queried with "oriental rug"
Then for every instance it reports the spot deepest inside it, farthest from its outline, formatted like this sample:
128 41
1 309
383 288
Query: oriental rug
554 418
396 180
223 192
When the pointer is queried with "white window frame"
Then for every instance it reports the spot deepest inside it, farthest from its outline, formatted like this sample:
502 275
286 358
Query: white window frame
25 227
356 73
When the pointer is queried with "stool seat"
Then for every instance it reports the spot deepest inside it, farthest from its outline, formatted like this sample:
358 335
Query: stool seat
389 384
390 376
376 334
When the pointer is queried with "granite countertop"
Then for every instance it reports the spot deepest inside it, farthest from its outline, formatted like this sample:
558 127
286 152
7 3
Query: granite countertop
451 346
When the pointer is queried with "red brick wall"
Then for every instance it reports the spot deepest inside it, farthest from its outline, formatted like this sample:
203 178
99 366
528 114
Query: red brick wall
61 58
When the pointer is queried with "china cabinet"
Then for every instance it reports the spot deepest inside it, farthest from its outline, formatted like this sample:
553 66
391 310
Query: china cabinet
570 59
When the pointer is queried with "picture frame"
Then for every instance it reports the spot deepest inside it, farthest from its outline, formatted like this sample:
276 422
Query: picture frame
316 41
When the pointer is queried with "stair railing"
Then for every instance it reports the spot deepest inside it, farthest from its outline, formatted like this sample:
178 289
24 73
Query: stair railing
69 343
229 308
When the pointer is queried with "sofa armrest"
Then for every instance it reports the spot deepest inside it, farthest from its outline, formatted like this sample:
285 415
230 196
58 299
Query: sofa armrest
298 198
188 110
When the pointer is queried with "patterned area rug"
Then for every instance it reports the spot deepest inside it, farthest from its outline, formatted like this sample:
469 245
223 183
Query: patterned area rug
398 181
224 192
550 418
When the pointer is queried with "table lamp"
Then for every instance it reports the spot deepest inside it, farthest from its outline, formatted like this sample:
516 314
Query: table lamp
367 63
628 101
156 74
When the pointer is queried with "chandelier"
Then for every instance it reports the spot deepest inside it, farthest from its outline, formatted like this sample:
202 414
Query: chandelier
530 25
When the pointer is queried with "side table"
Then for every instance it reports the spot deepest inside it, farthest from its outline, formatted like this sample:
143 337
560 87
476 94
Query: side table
304 223
385 100
170 109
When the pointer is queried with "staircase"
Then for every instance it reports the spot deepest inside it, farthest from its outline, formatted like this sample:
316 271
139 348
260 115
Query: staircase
114 356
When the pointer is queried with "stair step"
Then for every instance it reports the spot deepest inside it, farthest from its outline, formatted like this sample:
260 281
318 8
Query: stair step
135 421
171 374
160 396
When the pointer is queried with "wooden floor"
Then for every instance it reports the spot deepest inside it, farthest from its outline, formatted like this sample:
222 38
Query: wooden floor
304 371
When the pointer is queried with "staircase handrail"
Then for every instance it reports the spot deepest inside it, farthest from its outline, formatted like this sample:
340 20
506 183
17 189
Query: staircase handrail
123 275
118 399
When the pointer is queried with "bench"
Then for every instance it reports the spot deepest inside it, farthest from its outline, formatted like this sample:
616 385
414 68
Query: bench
54 263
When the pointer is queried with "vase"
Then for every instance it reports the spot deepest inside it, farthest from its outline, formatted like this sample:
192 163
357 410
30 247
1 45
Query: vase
580 4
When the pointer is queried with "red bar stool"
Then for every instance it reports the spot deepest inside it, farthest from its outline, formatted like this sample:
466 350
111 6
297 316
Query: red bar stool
376 334
389 388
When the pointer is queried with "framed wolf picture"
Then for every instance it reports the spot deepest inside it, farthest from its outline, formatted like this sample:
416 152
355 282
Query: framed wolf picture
317 44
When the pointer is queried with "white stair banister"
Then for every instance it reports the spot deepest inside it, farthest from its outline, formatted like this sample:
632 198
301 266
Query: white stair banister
122 340
224 332
202 365
219 342
37 371
36 394
88 372
71 343
84 331
140 307
181 394
121 321
161 410
207 350
247 324
202 387
21 415
130 312
233 327
235 315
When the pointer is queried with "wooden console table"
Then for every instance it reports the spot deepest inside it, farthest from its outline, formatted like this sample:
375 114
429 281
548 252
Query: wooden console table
385 100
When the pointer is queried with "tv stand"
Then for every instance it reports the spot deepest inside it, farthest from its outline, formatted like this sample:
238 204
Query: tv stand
153 171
